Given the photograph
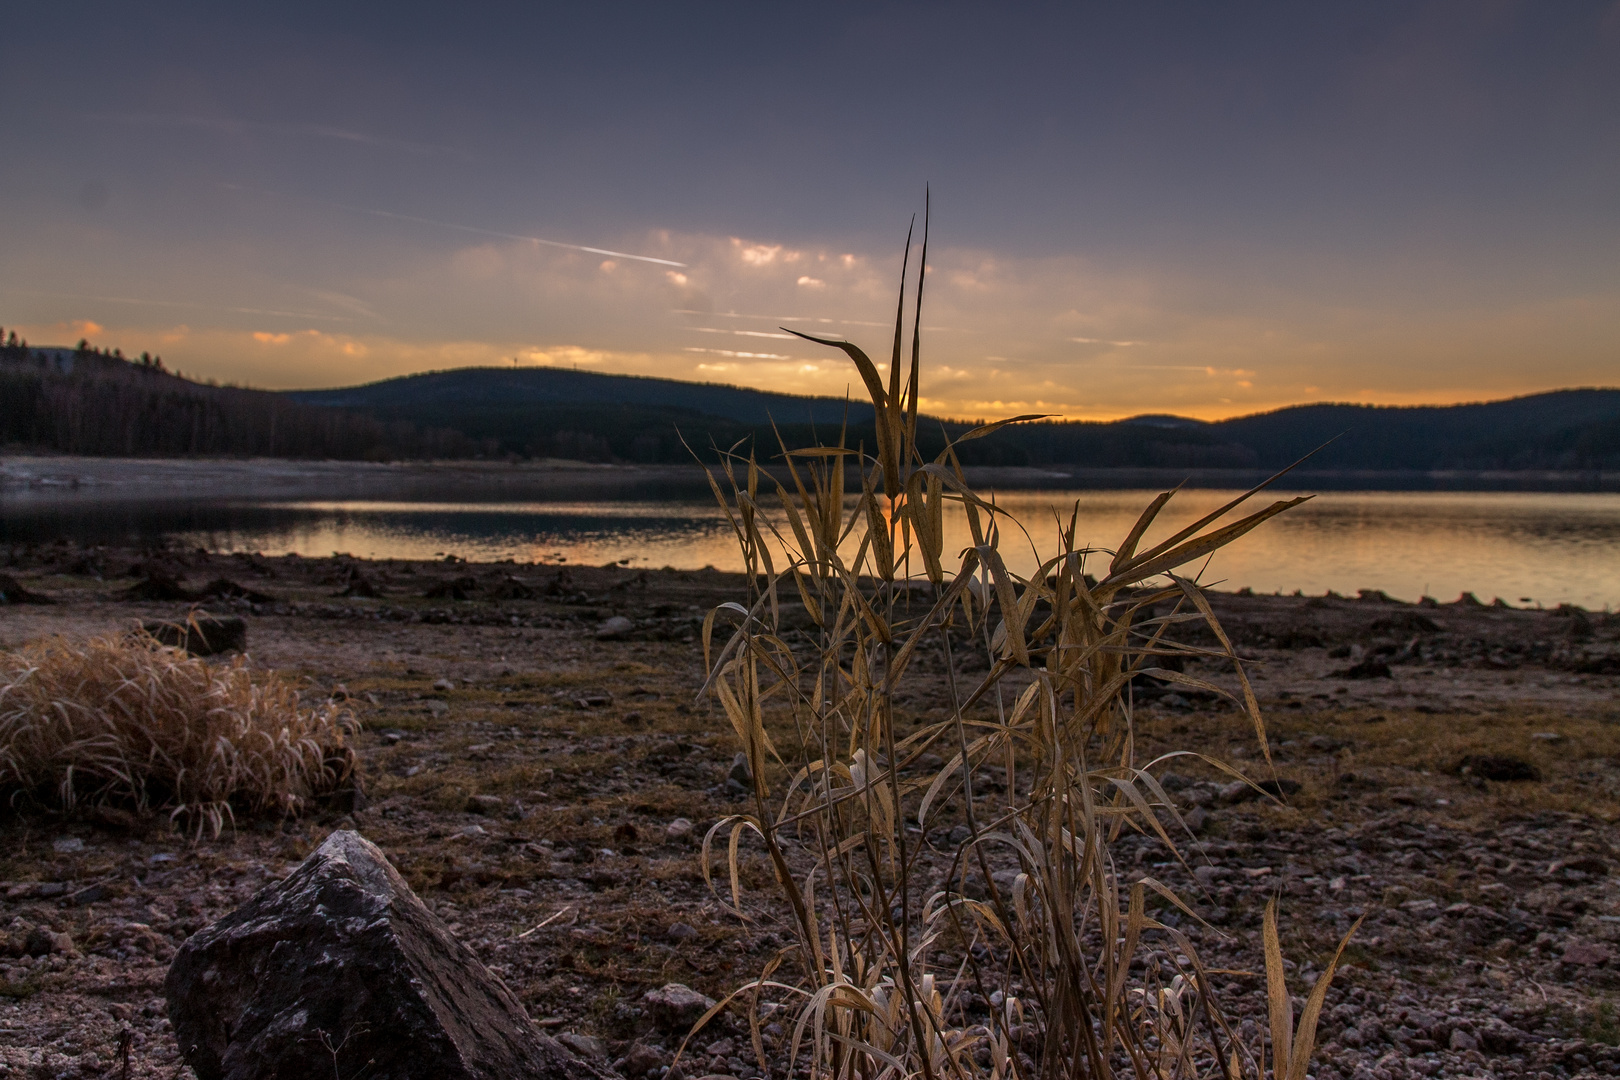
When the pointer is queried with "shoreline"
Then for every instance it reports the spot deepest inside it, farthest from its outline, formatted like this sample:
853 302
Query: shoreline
42 480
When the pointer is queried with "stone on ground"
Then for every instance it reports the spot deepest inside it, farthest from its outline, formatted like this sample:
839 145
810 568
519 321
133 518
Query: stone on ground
341 968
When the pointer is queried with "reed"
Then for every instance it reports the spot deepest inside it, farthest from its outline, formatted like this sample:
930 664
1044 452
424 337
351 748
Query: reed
1009 954
126 720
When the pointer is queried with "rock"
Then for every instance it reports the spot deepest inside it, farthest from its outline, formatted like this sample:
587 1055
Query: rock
66 845
485 804
1196 819
679 829
1498 767
1461 1041
1238 791
614 629
341 953
639 1060
681 931
90 894
1587 953
62 943
12 592
461 588
158 584
443 686
740 780
674 1007
1370 668
37 942
201 635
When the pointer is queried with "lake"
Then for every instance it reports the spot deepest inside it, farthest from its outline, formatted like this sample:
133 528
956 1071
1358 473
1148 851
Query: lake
1525 547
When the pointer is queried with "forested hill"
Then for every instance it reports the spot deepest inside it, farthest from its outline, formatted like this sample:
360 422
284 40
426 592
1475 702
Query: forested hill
96 403
471 389
541 411
1564 429
84 401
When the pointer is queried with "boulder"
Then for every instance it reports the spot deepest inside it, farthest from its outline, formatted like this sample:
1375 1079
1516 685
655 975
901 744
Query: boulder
340 968
12 592
201 635
614 629
674 1007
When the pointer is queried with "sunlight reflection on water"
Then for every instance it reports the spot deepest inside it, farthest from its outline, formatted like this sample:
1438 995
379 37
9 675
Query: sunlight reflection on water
1524 547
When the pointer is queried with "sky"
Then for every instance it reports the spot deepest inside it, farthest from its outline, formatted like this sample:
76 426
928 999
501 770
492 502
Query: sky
1202 209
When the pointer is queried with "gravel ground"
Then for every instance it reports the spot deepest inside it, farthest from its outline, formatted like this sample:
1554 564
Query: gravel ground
528 759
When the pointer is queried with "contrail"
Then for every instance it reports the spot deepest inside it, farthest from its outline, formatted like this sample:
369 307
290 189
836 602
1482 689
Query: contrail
530 239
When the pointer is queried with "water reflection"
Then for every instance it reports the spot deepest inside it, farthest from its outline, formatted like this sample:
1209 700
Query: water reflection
1524 547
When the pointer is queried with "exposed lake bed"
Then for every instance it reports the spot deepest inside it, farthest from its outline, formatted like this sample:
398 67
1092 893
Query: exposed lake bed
1491 938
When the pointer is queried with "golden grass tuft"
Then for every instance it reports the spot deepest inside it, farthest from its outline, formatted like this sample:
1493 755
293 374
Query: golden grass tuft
126 720
913 960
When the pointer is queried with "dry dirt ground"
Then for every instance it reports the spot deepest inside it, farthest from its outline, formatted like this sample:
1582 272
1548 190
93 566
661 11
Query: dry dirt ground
526 761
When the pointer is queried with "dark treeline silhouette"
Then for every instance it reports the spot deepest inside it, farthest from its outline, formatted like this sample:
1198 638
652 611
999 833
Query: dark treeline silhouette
536 412
85 401
92 402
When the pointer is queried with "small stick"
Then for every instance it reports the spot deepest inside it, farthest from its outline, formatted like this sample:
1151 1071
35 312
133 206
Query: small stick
543 924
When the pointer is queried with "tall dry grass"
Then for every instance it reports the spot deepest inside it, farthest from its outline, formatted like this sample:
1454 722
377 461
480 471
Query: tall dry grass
1016 959
126 720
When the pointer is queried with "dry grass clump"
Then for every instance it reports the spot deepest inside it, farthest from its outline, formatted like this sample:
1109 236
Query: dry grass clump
1014 953
126 720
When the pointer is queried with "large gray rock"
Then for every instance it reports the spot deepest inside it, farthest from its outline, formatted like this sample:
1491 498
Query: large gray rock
341 968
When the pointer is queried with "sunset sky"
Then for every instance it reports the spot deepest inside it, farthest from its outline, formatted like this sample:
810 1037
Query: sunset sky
1207 209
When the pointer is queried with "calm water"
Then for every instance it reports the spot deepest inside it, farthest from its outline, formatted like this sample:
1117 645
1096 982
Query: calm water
1543 548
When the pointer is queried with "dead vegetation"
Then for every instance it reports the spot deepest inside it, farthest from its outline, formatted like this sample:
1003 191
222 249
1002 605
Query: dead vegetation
125 720
1007 951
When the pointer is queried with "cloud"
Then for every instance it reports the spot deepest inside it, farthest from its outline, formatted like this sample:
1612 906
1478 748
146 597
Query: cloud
1082 337
756 254
740 355
740 333
809 282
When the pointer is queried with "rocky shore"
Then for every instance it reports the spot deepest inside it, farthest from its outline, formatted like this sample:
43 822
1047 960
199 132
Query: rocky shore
538 769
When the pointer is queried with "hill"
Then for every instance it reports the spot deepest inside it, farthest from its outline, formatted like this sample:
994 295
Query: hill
1563 430
83 401
539 411
467 389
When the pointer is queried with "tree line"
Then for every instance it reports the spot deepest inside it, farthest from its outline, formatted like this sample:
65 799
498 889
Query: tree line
99 403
